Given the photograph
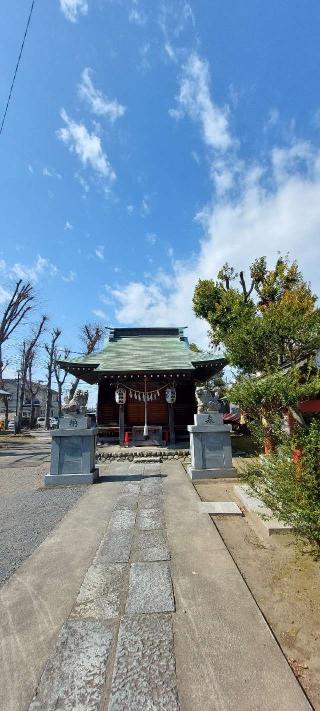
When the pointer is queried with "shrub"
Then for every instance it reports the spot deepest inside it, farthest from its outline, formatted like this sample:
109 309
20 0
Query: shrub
291 491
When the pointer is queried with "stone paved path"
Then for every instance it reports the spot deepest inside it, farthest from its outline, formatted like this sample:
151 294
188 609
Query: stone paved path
120 627
133 603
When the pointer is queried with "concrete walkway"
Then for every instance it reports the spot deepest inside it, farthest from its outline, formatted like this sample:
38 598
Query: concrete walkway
134 603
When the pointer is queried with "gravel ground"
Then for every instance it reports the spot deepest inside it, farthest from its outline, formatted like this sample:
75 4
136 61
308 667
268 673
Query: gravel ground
28 513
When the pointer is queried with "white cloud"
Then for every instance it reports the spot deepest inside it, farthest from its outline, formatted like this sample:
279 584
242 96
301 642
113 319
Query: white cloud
71 276
194 99
274 211
136 15
72 9
273 119
4 295
34 271
84 183
99 313
50 173
99 251
151 238
145 206
130 209
68 226
87 146
30 169
291 158
2 265
99 104
42 267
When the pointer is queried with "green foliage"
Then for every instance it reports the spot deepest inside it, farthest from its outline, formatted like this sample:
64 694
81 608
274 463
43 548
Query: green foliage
267 398
274 392
266 325
291 491
206 296
270 322
193 347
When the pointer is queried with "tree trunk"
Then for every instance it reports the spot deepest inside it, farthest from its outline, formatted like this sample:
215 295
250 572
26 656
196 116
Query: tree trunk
5 399
21 398
6 412
32 418
48 402
50 365
59 398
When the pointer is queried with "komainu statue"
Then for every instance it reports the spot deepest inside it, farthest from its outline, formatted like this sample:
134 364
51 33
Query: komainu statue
77 405
206 401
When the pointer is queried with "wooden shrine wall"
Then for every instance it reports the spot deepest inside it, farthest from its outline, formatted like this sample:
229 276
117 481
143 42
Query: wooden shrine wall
158 412
107 410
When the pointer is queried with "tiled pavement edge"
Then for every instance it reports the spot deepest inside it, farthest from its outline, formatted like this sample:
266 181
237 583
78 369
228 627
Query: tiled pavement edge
116 650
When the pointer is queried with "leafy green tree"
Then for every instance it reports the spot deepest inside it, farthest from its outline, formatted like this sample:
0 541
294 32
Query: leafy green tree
269 322
270 328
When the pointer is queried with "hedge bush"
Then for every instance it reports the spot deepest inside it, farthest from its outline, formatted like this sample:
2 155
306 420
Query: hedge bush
291 490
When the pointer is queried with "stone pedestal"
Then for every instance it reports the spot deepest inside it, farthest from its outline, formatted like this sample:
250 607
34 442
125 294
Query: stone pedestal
210 447
73 452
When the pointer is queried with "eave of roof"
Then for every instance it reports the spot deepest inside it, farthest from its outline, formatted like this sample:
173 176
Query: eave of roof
145 351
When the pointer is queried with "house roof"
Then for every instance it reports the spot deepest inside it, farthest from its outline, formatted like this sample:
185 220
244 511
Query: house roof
140 350
4 393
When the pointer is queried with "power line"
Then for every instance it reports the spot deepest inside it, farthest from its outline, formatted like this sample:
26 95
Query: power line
17 66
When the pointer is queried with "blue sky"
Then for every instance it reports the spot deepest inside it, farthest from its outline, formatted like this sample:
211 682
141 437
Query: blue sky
148 142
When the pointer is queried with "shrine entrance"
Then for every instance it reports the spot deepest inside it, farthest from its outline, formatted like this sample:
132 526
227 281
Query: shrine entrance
156 371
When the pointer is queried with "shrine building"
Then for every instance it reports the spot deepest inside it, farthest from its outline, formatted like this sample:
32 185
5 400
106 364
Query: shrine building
146 379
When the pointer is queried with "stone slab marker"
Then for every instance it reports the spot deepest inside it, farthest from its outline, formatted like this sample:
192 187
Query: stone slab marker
73 452
210 446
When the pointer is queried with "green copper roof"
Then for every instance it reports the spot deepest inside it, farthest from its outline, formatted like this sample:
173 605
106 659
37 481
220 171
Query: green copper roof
144 349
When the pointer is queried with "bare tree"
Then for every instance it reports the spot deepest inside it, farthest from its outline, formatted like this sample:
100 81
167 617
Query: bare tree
90 335
27 356
60 375
33 388
50 348
18 306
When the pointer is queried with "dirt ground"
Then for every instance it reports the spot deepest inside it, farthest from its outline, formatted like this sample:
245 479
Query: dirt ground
284 582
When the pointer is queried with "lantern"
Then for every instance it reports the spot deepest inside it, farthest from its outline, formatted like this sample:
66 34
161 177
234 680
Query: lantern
171 395
120 396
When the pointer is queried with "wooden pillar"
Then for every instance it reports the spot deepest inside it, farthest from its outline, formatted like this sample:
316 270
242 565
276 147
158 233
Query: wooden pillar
121 425
171 425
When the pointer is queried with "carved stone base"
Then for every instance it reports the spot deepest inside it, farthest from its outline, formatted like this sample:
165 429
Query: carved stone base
71 479
212 473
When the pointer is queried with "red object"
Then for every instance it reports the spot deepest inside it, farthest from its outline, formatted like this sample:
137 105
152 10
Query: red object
126 438
296 455
310 405
165 435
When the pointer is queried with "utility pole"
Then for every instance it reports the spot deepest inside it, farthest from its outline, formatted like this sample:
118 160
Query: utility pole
18 383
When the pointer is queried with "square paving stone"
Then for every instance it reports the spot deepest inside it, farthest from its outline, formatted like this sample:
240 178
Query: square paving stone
101 592
151 501
127 501
115 546
144 677
150 588
122 519
150 519
151 485
150 545
74 676
132 487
